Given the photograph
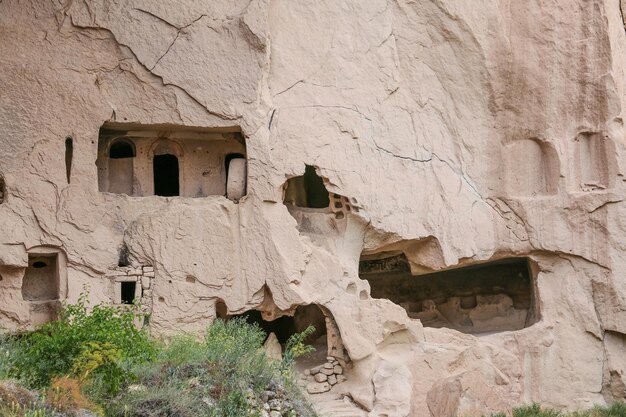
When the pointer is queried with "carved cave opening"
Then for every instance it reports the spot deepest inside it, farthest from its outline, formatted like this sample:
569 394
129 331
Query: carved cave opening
41 279
488 297
140 160
284 326
2 190
306 190
326 338
165 171
41 287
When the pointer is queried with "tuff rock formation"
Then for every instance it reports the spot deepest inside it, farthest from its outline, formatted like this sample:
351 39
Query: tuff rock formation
438 184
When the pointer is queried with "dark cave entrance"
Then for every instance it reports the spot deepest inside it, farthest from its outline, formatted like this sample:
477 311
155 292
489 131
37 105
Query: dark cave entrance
285 326
307 190
487 297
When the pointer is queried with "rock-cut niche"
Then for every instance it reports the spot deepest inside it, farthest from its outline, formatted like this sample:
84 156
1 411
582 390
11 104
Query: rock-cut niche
41 280
44 284
489 297
532 168
139 160
591 161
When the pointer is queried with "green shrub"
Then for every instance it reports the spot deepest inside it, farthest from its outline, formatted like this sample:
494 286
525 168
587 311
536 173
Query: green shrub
126 373
101 343
296 347
222 375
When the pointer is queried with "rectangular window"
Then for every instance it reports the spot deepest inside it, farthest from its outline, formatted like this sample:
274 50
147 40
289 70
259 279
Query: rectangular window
128 292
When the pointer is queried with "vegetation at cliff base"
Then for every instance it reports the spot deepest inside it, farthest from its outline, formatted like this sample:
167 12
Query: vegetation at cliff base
97 362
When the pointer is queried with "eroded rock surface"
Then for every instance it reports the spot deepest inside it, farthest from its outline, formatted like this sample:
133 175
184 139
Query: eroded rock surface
214 158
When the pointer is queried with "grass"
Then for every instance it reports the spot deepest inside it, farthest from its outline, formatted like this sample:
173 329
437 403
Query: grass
617 409
16 410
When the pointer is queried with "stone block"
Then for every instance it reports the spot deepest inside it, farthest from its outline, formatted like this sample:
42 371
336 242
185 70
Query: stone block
320 377
317 387
326 371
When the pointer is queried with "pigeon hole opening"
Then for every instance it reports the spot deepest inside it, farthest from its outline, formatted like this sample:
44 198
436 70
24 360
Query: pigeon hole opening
488 297
307 190
69 155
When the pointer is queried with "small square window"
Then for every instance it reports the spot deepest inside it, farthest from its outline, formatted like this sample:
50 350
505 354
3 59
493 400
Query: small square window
128 292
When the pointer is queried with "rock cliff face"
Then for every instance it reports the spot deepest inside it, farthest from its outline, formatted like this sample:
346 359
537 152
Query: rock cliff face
390 161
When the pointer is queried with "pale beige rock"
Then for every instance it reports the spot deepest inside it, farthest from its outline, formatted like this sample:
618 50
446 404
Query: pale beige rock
332 379
272 347
457 133
392 384
320 377
317 387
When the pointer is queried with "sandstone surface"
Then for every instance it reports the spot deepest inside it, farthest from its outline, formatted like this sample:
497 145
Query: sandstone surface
437 185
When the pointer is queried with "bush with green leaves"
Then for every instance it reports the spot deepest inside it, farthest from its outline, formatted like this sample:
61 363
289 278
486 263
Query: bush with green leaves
297 347
101 343
224 374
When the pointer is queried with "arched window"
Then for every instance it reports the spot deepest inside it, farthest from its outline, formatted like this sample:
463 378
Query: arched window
166 177
121 155
121 149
